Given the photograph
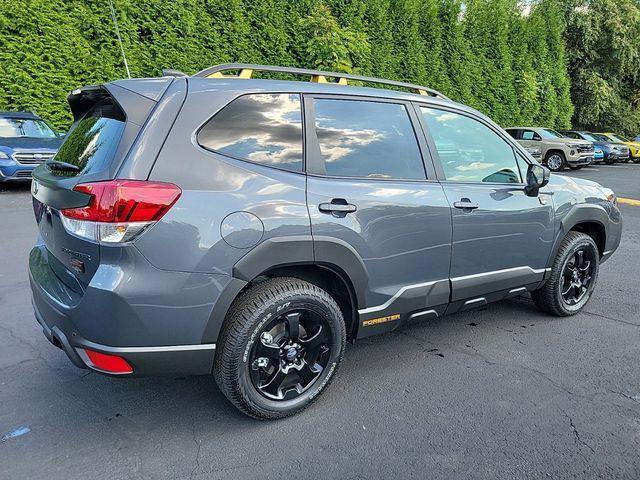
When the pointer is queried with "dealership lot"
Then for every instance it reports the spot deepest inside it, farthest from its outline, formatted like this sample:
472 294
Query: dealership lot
501 392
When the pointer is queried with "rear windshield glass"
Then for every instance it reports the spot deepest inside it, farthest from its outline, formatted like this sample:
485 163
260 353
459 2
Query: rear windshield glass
92 142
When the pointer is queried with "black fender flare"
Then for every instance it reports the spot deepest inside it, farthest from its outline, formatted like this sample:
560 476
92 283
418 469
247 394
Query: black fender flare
581 213
275 252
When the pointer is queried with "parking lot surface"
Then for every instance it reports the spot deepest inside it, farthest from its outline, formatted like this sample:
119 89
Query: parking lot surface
501 392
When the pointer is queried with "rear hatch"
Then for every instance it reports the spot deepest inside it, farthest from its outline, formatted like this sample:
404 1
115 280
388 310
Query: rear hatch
107 120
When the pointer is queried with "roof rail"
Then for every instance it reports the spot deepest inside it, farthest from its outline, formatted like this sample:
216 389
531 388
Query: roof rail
318 76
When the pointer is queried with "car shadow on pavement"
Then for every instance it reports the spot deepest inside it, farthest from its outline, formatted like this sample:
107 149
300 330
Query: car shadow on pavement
173 402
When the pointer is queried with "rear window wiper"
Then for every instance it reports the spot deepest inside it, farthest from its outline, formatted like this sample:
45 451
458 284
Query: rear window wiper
59 165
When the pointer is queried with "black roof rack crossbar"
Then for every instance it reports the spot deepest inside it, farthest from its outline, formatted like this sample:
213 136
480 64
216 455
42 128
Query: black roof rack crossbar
318 76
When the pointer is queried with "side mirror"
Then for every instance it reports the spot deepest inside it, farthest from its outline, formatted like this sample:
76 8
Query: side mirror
537 177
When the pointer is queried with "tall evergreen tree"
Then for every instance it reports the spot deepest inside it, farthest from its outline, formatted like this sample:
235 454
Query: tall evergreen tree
409 46
378 28
430 28
603 45
460 67
525 78
480 52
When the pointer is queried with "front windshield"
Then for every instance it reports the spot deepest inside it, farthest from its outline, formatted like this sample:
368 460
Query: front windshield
602 138
548 133
24 127
618 138
588 136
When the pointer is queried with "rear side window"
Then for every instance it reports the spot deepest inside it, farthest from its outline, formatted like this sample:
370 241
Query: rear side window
262 128
512 132
367 139
470 151
92 142
530 135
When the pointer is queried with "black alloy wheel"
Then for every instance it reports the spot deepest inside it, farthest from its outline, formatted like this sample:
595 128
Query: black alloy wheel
279 348
291 354
576 276
572 278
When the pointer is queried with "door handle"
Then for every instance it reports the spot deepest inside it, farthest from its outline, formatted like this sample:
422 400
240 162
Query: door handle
337 205
466 204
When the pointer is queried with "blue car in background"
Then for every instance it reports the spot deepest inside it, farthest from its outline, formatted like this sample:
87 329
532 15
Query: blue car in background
26 141
604 150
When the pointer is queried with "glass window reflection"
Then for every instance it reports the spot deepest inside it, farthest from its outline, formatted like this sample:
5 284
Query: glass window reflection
262 128
469 150
367 139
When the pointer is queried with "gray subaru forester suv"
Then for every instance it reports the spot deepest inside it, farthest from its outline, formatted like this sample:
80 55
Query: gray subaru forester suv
247 228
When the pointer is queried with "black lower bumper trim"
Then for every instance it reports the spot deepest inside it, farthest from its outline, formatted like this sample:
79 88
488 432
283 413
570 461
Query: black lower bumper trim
153 360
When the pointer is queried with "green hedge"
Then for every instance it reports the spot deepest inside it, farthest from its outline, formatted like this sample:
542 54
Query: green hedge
484 53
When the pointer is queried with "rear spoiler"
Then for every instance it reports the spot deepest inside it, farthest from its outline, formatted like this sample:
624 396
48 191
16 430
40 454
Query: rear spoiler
136 97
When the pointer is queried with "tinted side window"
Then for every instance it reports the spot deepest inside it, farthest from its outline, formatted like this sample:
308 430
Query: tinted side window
263 128
367 139
469 150
512 132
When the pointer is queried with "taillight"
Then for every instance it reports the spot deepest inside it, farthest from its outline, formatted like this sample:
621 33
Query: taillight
119 210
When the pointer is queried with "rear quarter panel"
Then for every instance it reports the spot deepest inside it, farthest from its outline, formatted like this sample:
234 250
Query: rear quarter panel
247 202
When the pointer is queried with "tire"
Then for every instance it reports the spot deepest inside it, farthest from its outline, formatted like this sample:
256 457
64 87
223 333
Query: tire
549 298
556 161
248 331
636 160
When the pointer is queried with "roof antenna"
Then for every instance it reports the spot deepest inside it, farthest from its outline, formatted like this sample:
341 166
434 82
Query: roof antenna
115 22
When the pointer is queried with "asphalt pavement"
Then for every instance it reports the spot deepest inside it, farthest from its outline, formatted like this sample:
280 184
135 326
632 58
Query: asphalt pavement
501 392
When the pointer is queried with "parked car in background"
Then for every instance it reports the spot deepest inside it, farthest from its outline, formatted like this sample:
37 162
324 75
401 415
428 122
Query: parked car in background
557 151
622 149
26 141
535 153
611 151
636 138
634 147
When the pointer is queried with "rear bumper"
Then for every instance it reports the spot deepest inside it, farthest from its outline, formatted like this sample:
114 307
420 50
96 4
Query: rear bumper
173 359
159 325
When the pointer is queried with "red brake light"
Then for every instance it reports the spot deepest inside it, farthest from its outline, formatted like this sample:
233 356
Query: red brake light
123 201
108 363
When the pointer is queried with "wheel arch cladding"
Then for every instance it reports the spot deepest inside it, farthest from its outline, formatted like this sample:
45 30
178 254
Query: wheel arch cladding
551 151
327 262
332 280
587 218
595 230
329 252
